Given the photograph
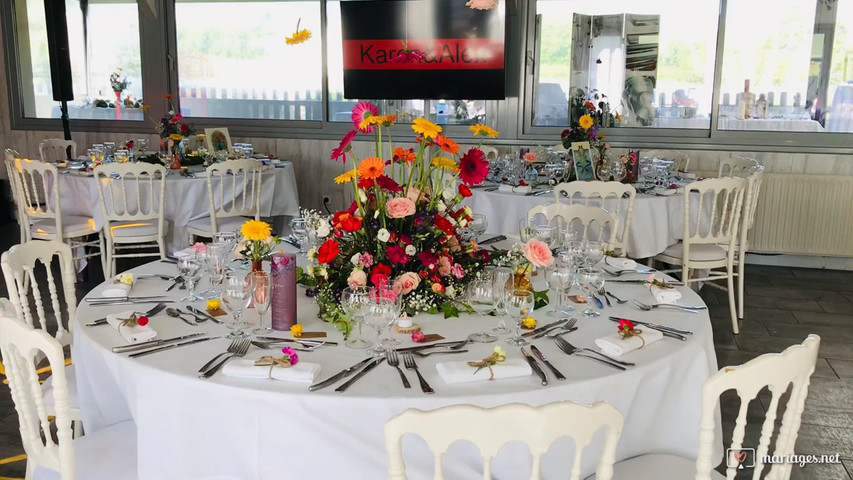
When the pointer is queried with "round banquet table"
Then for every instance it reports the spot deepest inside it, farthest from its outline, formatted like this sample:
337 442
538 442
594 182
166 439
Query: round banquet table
657 221
239 428
186 199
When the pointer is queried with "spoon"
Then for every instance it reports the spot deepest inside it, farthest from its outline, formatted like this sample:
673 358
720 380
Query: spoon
198 318
176 313
614 297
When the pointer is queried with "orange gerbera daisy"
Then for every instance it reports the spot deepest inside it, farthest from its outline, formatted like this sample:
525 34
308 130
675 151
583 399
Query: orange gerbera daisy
402 155
446 144
371 168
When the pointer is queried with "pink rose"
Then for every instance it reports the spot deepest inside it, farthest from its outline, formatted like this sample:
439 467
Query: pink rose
400 207
415 195
530 157
444 266
457 271
407 282
357 278
538 253
199 248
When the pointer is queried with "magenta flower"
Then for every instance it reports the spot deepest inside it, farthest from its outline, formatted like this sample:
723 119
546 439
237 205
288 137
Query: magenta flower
344 146
362 110
291 355
365 260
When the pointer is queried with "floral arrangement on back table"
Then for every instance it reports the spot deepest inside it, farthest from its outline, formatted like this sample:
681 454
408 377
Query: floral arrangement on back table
401 232
589 112
170 128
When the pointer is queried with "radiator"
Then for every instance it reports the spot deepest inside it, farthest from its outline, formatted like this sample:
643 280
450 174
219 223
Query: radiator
804 215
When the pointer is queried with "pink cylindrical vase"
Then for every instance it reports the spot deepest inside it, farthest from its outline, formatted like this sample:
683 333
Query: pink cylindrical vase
283 272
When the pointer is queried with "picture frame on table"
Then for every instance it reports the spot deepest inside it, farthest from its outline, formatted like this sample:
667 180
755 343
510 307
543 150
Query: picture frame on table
217 139
582 158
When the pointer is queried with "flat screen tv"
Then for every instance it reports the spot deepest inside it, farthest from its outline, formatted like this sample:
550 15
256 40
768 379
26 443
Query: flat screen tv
463 50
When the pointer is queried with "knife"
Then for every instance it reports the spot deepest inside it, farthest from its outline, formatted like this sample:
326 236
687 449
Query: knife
203 314
178 279
544 327
124 299
152 343
493 240
540 192
343 373
170 346
535 366
294 340
641 280
654 325
360 374
668 333
150 313
541 356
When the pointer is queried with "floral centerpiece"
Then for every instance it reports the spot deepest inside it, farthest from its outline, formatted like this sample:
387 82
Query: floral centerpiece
589 112
258 242
118 82
172 131
402 230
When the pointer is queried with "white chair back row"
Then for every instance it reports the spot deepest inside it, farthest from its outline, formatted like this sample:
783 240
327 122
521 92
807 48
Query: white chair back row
615 197
56 150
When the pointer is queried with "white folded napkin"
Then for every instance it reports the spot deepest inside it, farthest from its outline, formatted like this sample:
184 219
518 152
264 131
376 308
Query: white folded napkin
183 253
460 372
621 263
302 372
615 346
512 189
131 333
116 289
665 295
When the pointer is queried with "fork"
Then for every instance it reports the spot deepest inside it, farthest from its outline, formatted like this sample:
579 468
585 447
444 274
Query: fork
643 306
568 349
619 273
239 351
582 349
567 326
409 361
231 349
422 354
606 298
394 360
614 297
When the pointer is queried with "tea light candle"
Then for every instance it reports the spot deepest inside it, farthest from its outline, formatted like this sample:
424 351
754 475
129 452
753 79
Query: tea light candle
405 321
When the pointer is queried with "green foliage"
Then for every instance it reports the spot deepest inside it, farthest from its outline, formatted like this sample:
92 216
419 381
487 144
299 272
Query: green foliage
449 310
540 299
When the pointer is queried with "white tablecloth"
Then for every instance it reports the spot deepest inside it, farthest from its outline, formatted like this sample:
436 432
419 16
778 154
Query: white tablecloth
226 427
658 221
186 200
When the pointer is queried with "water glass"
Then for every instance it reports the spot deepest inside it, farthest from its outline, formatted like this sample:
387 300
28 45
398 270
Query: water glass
379 314
519 304
560 278
229 240
236 296
594 252
501 279
479 297
141 145
299 227
109 150
215 254
190 270
592 281
525 231
478 224
262 296
353 302
547 234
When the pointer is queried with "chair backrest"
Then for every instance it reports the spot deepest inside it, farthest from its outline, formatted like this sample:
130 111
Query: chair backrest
750 202
55 150
234 190
130 192
615 197
20 346
712 211
491 153
489 429
776 371
9 157
593 223
736 167
19 264
682 161
38 189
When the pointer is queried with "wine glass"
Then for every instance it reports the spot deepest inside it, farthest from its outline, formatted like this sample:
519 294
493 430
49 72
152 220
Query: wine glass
525 231
519 304
479 297
619 172
395 296
299 227
142 145
478 224
353 302
190 270
603 172
559 277
236 297
594 252
229 239
262 295
501 277
378 313
546 233
591 281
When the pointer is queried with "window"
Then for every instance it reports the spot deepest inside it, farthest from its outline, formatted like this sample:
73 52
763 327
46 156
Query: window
96 52
239 66
458 112
839 115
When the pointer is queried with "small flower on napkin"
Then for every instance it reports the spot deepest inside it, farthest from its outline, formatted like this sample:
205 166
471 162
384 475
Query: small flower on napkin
296 330
627 330
658 283
528 323
418 336
125 278
141 320
289 359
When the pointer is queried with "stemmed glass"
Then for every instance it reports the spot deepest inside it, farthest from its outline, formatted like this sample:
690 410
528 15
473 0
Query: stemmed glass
592 281
603 172
479 297
215 253
525 231
353 302
229 239
299 227
396 298
190 270
559 277
501 276
619 172
238 293
519 303
478 224
594 253
546 233
261 296
380 313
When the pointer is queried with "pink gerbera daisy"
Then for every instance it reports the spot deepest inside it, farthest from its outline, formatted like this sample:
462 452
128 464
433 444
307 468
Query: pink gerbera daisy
344 146
362 110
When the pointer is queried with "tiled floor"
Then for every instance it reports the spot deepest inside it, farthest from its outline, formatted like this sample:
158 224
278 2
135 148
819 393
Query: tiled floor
783 306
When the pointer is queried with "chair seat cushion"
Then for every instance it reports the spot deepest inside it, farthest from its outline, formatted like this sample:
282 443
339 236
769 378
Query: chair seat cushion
698 253
44 228
657 466
71 377
226 224
109 453
139 228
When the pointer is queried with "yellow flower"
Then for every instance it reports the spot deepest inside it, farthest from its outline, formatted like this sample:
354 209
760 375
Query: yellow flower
500 353
426 128
444 162
298 37
176 137
618 117
383 120
144 107
345 177
528 323
126 278
212 305
296 330
585 122
311 253
484 130
254 230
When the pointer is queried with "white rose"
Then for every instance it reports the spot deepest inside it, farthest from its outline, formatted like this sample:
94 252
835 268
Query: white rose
442 207
355 259
411 250
383 235
450 291
448 194
323 272
362 196
323 230
463 222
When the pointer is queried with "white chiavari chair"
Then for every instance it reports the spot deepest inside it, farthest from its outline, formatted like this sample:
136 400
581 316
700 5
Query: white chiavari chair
56 150
490 152
589 223
750 204
9 156
131 197
234 194
712 213
489 429
107 453
779 373
615 197
737 167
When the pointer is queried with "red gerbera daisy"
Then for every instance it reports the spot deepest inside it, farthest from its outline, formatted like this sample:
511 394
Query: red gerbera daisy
362 110
473 167
388 184
344 146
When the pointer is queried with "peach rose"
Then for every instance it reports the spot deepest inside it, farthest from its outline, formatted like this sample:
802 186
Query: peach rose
444 266
538 253
416 195
357 278
453 243
407 282
400 207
